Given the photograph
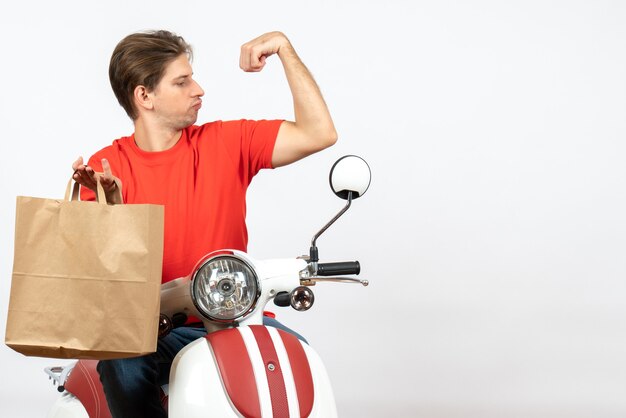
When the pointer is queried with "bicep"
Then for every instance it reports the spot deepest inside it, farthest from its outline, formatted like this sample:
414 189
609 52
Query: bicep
292 144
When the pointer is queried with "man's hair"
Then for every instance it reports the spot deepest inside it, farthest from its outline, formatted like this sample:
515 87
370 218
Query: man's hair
140 60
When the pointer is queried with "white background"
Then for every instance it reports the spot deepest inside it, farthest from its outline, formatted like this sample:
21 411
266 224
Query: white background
494 231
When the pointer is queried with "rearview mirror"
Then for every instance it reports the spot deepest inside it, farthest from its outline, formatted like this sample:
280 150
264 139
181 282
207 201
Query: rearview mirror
349 178
350 174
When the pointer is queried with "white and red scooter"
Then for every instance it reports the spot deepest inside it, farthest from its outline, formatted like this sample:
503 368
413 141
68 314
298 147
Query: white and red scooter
241 368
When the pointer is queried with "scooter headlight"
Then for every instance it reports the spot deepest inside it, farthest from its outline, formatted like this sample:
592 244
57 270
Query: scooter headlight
225 288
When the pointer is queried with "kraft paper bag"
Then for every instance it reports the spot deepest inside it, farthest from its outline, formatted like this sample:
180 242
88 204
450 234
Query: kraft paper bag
86 278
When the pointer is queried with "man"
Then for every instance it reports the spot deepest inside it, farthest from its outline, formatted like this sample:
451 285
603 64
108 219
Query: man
199 173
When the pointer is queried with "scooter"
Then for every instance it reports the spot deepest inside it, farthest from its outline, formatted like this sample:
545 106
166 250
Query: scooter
241 368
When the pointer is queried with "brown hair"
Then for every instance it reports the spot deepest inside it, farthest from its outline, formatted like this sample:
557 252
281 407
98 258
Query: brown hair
140 60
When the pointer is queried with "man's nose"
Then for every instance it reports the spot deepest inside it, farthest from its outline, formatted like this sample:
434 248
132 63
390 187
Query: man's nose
198 90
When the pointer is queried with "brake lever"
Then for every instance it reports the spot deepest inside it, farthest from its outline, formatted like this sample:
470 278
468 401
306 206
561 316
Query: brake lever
311 281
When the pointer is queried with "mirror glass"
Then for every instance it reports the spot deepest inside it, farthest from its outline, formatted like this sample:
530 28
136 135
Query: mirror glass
350 174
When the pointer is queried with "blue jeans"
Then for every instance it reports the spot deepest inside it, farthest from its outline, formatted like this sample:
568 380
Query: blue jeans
132 385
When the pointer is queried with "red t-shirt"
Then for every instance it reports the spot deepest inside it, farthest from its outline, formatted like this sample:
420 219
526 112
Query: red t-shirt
201 181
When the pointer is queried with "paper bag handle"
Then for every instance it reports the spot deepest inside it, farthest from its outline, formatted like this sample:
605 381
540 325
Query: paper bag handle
100 191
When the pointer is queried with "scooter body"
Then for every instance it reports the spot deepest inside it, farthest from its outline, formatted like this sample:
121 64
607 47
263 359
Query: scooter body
249 370
241 368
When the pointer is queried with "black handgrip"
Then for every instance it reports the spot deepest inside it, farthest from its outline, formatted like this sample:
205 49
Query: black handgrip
334 269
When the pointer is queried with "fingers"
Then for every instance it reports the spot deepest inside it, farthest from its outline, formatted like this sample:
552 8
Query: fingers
106 178
244 59
106 168
87 177
254 53
253 57
81 173
252 60
249 61
77 163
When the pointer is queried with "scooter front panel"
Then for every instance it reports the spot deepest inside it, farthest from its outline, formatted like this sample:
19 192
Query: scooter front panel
233 361
272 370
286 376
300 371
195 388
324 402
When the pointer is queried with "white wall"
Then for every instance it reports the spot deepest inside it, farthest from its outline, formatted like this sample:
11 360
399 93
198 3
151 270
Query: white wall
494 231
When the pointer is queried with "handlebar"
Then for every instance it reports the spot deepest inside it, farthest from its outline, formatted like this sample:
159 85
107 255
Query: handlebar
342 267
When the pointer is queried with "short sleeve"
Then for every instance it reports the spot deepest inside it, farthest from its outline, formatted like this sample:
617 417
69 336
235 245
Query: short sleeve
255 140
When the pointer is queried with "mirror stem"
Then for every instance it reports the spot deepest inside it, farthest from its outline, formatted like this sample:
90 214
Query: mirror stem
314 256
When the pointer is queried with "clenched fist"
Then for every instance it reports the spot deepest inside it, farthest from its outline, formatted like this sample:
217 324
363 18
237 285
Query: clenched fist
255 52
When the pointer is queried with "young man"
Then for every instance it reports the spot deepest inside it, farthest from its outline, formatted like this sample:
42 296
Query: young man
199 173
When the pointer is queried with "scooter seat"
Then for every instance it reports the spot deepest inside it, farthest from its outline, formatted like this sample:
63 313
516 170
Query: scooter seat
84 383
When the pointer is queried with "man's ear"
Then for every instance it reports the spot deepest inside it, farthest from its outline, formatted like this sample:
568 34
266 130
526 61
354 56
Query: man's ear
143 99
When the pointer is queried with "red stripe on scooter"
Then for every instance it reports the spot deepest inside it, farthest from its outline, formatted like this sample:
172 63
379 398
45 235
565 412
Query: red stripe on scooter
301 372
275 380
236 370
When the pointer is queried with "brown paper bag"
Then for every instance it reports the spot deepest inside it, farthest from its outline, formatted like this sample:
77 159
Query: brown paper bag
86 278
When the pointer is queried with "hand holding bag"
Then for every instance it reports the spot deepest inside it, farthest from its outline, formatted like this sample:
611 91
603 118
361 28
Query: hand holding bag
86 278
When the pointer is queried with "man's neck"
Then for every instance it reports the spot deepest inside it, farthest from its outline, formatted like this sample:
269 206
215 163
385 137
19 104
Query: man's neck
153 138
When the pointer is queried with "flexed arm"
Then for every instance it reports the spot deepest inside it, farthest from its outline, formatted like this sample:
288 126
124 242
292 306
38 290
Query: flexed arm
313 128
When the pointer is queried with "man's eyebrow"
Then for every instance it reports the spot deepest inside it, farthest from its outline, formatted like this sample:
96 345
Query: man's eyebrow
183 76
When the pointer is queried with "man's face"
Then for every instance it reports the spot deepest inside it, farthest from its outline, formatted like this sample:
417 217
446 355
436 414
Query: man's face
177 97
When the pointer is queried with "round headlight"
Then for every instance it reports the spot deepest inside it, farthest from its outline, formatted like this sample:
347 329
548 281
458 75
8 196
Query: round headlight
225 288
